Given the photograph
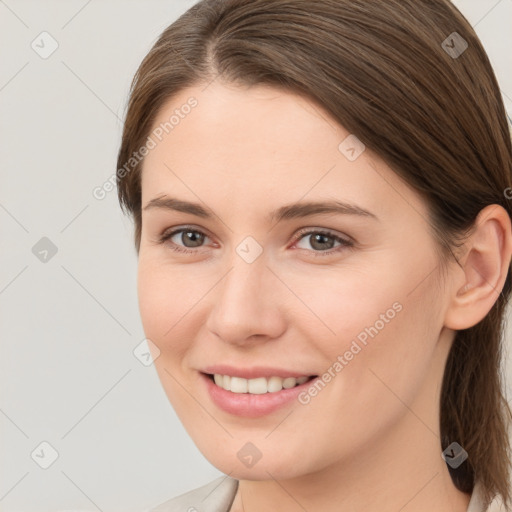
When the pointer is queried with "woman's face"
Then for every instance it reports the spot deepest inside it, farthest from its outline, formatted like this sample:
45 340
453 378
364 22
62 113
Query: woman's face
253 286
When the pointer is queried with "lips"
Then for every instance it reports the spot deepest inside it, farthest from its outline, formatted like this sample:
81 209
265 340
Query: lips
253 404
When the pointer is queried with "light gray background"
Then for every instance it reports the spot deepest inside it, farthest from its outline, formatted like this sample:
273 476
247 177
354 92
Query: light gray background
69 326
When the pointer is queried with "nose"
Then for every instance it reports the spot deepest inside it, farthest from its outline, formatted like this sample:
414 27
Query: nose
246 304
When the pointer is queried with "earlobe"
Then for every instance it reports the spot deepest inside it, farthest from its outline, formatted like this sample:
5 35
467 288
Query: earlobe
483 269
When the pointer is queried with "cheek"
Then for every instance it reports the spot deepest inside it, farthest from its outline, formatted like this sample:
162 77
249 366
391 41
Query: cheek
162 310
165 296
384 360
152 300
345 303
161 303
373 321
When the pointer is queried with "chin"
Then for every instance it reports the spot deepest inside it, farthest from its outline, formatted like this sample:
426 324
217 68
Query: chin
242 459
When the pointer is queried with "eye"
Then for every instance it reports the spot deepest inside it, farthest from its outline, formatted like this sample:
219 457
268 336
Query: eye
188 240
323 241
185 235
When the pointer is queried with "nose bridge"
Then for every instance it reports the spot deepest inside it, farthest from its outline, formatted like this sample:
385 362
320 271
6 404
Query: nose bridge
245 302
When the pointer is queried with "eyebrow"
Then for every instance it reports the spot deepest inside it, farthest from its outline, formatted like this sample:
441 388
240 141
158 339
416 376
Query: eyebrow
291 211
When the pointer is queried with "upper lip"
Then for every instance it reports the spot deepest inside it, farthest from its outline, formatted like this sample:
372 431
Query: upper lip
253 372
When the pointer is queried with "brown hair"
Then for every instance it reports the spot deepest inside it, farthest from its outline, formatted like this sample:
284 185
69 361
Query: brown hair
387 71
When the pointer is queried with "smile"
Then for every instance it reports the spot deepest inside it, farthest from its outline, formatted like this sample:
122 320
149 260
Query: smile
257 386
255 397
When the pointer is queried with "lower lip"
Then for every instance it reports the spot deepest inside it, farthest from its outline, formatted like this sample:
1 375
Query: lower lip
252 405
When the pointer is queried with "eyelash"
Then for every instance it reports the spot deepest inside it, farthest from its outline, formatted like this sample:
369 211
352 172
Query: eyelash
345 243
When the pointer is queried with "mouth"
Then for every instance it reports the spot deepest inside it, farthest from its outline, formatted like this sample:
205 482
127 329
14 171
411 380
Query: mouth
258 385
256 391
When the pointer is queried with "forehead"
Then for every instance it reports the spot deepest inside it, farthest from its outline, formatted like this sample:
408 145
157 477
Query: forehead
258 145
257 121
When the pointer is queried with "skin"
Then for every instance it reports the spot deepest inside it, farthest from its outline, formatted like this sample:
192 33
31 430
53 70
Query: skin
243 152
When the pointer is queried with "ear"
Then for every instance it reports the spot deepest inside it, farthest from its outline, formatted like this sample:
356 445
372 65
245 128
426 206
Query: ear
485 264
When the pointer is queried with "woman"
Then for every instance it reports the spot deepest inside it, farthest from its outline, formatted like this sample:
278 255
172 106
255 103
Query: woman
320 192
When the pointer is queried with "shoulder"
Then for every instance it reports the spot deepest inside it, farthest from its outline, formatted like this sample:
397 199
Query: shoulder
215 496
477 502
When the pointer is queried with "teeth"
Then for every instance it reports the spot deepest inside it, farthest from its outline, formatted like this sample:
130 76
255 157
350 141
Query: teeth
238 385
256 386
